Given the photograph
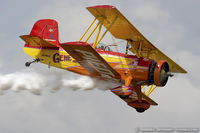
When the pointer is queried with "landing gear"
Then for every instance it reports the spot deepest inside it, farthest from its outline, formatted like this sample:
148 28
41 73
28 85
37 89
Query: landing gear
27 64
139 106
140 110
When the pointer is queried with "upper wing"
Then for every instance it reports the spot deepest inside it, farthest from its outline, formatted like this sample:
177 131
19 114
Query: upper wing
123 29
91 61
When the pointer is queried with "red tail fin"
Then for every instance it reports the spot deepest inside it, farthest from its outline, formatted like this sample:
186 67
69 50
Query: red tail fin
46 29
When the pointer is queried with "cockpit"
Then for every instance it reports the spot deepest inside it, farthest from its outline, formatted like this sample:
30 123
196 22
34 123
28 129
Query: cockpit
104 47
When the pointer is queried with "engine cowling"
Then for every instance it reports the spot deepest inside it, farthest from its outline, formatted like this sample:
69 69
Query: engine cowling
158 73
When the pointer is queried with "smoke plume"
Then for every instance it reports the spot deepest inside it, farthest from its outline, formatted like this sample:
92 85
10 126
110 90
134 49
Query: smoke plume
19 81
34 82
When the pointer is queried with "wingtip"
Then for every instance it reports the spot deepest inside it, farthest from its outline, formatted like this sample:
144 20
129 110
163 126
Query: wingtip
22 37
185 72
102 7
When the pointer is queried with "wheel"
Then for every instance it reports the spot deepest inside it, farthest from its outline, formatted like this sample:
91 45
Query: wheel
123 96
140 110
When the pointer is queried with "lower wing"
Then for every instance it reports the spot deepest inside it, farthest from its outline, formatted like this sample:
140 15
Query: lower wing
91 61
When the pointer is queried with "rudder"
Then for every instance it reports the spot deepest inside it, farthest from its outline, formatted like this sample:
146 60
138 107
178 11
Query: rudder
46 29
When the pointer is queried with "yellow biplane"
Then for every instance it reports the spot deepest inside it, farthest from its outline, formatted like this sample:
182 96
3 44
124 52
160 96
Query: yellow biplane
146 67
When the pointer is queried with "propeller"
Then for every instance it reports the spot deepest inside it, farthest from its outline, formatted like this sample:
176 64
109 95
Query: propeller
165 74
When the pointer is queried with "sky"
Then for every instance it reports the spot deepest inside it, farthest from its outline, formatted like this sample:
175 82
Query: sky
172 26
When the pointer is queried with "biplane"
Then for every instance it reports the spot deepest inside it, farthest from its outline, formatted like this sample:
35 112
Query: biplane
146 66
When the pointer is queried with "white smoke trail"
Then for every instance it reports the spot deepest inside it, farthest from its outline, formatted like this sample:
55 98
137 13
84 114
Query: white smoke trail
19 81
86 83
35 82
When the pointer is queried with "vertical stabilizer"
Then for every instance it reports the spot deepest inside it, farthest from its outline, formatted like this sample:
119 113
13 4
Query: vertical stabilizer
46 29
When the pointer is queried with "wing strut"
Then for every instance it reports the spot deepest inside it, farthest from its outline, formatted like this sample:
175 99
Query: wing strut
88 37
127 46
107 29
151 88
87 29
98 32
99 24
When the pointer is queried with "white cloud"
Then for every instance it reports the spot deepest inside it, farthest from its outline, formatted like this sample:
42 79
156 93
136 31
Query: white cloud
157 25
190 63
150 12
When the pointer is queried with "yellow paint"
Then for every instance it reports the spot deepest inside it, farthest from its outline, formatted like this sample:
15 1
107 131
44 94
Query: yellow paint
88 37
107 29
123 29
46 56
87 29
150 90
97 36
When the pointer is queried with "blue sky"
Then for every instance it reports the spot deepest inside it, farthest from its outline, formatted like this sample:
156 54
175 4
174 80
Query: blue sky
172 26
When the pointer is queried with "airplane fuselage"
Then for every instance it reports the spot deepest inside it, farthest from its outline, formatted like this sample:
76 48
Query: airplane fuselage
123 64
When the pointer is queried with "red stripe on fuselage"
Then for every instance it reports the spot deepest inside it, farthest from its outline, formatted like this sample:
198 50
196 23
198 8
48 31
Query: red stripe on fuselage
141 61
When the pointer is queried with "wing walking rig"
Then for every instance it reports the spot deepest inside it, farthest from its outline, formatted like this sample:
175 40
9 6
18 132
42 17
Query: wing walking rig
147 67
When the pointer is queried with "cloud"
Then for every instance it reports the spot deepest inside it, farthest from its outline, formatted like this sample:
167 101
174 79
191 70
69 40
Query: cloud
157 25
191 65
150 12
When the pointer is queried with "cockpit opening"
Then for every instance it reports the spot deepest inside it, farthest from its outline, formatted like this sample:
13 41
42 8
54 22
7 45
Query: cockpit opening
104 47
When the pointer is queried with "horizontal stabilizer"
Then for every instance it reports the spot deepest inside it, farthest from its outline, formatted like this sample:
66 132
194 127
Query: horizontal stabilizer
34 41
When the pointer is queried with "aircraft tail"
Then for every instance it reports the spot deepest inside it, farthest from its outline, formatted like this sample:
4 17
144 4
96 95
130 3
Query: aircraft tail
43 34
